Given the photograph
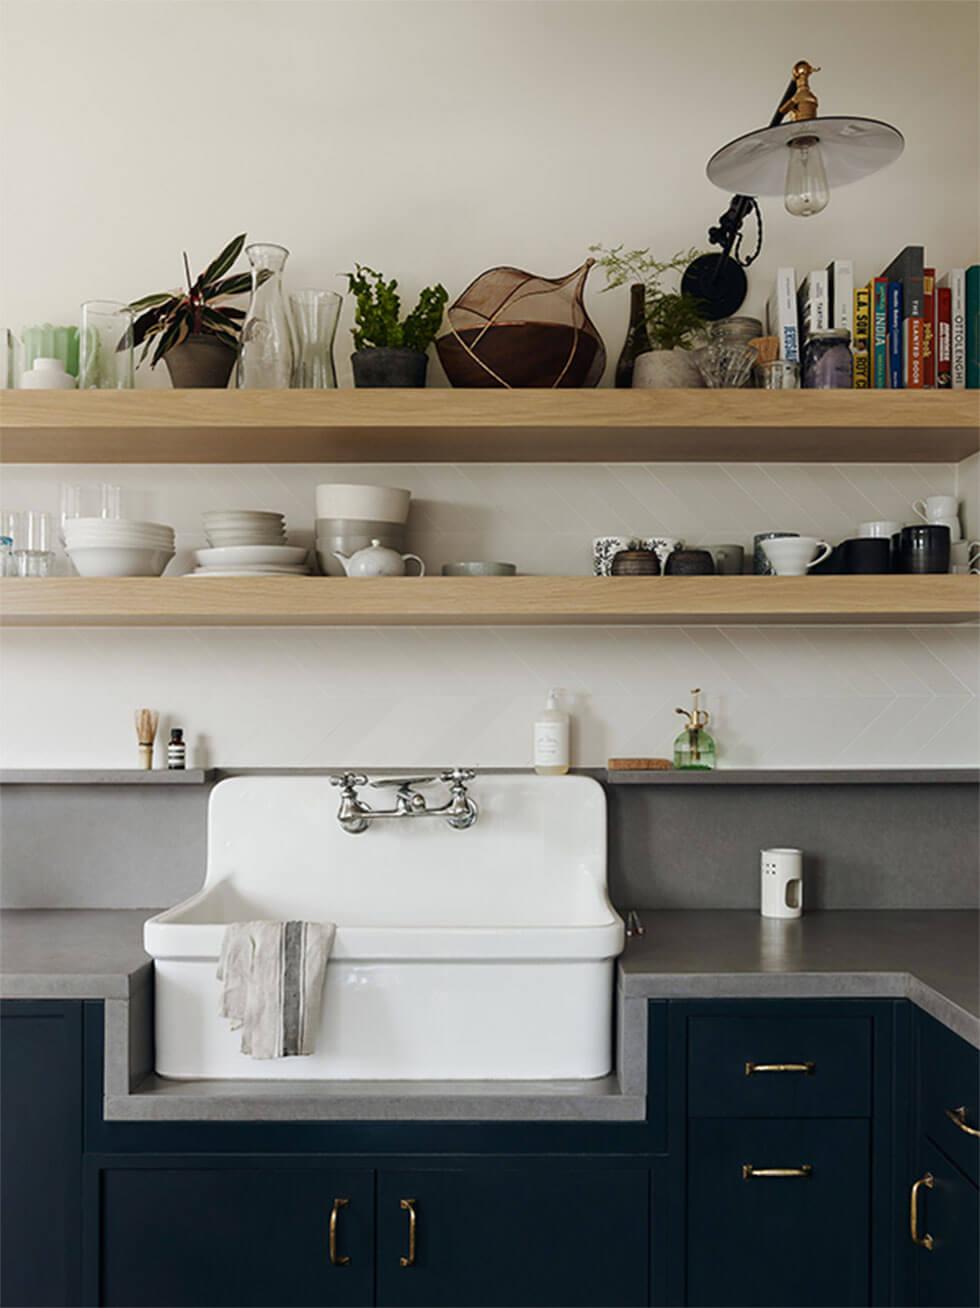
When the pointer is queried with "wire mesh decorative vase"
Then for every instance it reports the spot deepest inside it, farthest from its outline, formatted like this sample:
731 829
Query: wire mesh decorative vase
512 328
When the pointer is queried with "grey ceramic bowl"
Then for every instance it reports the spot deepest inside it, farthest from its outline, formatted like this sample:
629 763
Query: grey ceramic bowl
479 569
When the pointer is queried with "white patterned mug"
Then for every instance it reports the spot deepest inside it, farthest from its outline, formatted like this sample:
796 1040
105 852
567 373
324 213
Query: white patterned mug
605 549
662 546
792 556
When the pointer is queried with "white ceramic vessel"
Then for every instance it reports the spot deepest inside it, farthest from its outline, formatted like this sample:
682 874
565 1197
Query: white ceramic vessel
478 954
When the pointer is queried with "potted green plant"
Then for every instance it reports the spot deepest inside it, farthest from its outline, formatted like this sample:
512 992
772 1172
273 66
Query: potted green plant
673 319
196 331
388 351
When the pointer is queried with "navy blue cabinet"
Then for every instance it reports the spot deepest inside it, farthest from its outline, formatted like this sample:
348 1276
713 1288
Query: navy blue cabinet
947 1219
269 1236
40 1153
547 1233
778 1212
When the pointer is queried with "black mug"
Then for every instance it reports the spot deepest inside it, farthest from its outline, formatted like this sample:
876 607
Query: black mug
922 549
690 563
867 555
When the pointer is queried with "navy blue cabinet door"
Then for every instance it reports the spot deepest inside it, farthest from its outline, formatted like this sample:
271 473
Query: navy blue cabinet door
509 1237
206 1237
946 1275
755 1239
40 1153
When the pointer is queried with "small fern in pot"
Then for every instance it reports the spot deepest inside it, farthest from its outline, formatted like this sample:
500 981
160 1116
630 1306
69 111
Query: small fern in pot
390 351
196 332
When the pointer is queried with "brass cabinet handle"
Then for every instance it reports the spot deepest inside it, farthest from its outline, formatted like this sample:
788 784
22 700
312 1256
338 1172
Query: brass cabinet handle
338 1260
958 1117
806 1068
748 1171
408 1206
923 1241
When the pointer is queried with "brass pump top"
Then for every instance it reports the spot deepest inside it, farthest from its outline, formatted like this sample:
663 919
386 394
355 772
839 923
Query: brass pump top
696 717
802 105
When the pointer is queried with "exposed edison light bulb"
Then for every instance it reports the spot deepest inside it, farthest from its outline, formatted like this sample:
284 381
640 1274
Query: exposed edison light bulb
806 190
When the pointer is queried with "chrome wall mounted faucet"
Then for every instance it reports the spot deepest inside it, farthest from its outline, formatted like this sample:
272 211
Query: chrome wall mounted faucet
355 816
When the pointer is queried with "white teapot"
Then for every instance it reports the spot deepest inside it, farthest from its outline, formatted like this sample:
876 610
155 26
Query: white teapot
377 560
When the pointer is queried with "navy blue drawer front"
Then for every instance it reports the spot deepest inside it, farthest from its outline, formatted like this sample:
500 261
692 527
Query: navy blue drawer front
947 1216
794 1229
788 1066
949 1087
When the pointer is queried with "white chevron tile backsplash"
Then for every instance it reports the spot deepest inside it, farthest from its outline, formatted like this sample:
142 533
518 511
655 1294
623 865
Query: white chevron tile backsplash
277 697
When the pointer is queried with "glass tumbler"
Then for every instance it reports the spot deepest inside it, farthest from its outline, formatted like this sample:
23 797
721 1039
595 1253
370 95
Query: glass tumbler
315 317
33 544
105 347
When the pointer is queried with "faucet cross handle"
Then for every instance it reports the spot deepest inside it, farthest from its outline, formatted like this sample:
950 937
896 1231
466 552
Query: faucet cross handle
456 775
348 780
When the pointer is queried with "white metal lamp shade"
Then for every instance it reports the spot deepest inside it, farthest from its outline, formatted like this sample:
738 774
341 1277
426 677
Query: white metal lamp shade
852 148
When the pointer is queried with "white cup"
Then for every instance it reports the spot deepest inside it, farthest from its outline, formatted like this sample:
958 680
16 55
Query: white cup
965 556
782 883
791 556
879 529
937 508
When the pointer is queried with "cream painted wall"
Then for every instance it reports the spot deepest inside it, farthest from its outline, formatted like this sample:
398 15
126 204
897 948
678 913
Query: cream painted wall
435 139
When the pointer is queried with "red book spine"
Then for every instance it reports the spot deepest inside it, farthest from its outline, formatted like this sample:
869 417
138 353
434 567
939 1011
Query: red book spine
944 338
929 327
913 354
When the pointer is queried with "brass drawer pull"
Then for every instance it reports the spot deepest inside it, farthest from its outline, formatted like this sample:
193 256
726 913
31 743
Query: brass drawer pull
923 1241
749 1172
338 1260
408 1206
958 1117
807 1069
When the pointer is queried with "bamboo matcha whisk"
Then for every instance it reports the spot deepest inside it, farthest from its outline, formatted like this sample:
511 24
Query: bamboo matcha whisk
147 721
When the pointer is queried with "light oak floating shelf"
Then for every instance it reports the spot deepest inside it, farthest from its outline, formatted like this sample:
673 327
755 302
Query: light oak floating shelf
488 426
530 601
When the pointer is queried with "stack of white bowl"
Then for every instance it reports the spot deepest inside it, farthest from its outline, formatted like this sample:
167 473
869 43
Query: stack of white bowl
350 517
118 547
248 543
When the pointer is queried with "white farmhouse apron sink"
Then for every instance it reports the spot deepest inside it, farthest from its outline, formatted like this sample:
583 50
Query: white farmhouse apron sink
481 954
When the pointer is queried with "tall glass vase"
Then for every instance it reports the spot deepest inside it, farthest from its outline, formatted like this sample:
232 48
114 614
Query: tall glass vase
265 353
315 315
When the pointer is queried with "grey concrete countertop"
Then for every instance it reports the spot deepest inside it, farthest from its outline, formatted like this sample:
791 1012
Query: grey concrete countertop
930 958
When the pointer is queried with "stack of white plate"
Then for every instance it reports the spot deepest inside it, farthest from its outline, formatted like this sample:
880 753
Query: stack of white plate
244 527
252 561
118 547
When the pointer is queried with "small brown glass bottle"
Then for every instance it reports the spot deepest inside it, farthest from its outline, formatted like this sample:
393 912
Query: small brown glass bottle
176 751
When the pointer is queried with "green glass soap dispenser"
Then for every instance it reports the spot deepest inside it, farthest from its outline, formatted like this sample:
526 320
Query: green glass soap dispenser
694 748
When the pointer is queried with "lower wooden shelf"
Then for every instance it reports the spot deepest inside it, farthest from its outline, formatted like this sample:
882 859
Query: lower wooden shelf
451 601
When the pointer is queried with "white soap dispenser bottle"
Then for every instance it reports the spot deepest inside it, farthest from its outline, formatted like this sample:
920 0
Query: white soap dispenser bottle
551 751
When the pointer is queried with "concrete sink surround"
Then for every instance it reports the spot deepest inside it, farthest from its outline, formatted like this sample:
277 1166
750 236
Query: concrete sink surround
480 954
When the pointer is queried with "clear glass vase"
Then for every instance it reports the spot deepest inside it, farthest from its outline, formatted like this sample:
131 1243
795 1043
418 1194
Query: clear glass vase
315 315
265 353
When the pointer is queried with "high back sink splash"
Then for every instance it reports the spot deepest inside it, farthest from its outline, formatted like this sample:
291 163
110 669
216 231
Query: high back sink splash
484 953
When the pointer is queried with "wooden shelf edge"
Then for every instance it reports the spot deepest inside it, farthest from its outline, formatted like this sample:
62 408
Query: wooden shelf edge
487 601
487 426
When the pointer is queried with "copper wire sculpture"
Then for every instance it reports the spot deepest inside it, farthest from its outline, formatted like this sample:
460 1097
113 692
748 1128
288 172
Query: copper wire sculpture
512 328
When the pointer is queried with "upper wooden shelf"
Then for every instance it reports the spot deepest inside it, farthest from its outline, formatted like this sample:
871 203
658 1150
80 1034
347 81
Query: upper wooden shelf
488 426
441 601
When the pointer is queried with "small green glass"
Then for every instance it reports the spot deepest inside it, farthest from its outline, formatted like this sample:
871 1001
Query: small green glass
694 748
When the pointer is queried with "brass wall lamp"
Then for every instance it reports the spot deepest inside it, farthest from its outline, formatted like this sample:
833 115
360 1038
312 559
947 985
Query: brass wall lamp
800 156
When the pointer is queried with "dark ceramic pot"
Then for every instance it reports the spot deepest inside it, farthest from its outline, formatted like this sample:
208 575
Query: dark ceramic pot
923 549
384 366
636 563
690 563
200 361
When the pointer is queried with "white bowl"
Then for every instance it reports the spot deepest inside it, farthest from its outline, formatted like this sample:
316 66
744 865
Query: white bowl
236 517
119 561
250 555
379 503
250 569
101 523
235 540
118 542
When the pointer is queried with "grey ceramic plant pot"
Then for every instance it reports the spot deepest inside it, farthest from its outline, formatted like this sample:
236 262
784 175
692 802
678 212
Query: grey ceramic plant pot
664 369
200 361
387 366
